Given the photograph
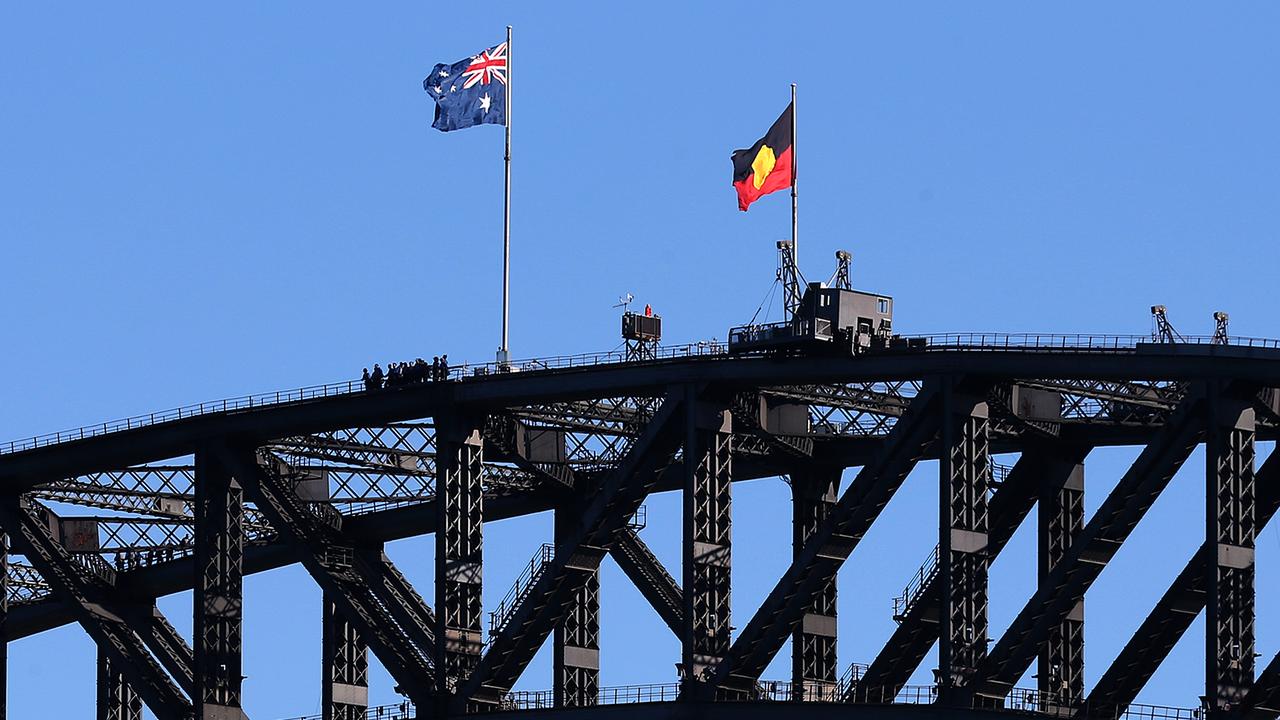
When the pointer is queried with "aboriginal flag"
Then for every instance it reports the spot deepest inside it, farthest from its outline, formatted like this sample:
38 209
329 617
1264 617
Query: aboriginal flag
766 166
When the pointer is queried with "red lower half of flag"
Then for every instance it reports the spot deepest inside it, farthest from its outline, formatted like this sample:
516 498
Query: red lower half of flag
752 187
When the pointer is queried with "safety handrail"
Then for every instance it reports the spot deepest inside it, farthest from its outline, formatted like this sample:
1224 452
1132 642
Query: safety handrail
347 387
498 618
902 604
705 349
399 711
1022 701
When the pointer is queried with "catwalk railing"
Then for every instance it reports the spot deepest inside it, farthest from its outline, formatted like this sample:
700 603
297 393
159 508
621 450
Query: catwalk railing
401 711
1020 700
1083 343
528 577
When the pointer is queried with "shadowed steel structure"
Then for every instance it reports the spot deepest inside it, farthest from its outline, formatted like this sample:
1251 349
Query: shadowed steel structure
102 520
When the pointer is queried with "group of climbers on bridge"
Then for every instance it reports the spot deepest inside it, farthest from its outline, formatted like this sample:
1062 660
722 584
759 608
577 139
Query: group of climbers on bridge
405 373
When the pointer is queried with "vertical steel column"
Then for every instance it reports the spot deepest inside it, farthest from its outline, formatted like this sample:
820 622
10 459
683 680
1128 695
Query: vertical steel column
813 644
1230 527
577 637
707 541
965 473
218 601
116 698
459 538
1060 674
345 692
4 633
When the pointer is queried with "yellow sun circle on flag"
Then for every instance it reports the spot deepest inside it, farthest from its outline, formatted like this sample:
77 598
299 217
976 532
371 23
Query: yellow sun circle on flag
763 165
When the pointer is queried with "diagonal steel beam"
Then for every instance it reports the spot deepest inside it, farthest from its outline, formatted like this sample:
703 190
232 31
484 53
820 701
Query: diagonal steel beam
356 579
576 559
828 547
1098 542
917 629
650 577
1263 701
117 700
91 597
1173 615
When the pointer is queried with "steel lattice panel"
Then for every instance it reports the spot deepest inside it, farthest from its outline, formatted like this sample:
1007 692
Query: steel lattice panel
219 554
965 478
116 698
813 650
708 540
459 554
1060 675
1231 519
345 659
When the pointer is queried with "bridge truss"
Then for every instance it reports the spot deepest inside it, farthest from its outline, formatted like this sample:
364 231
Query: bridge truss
101 521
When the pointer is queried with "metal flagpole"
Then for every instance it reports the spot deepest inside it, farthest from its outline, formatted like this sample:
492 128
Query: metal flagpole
504 354
795 247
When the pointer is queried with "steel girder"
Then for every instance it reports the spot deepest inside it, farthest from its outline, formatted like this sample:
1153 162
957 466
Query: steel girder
1263 701
23 583
620 492
650 577
22 470
827 548
917 629
1230 528
4 636
459 548
576 649
161 490
121 635
1060 672
707 540
813 643
1096 544
510 439
360 580
964 476
750 417
345 667
117 700
1173 614
218 600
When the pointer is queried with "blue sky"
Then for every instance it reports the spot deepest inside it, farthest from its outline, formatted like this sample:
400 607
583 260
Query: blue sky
200 203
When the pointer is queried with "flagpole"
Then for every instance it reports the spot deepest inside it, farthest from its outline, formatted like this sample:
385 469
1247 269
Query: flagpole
795 248
504 354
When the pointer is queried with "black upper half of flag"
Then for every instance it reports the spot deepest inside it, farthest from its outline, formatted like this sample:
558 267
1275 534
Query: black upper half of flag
778 140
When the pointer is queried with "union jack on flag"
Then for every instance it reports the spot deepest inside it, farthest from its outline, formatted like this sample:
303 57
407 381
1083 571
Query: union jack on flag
470 92
486 67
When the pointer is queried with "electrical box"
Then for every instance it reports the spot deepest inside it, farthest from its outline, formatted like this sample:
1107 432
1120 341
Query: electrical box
647 328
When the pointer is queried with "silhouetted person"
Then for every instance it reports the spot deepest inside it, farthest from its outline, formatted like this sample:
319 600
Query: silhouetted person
419 370
435 367
444 367
364 378
377 376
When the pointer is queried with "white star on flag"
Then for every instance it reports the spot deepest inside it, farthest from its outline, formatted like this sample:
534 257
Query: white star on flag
485 102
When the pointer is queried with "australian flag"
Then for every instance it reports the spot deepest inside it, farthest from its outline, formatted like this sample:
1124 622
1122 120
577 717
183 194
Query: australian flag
470 92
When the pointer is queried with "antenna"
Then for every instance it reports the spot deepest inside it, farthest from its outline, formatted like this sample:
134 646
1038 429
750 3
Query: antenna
1163 331
624 302
1220 336
789 276
840 279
